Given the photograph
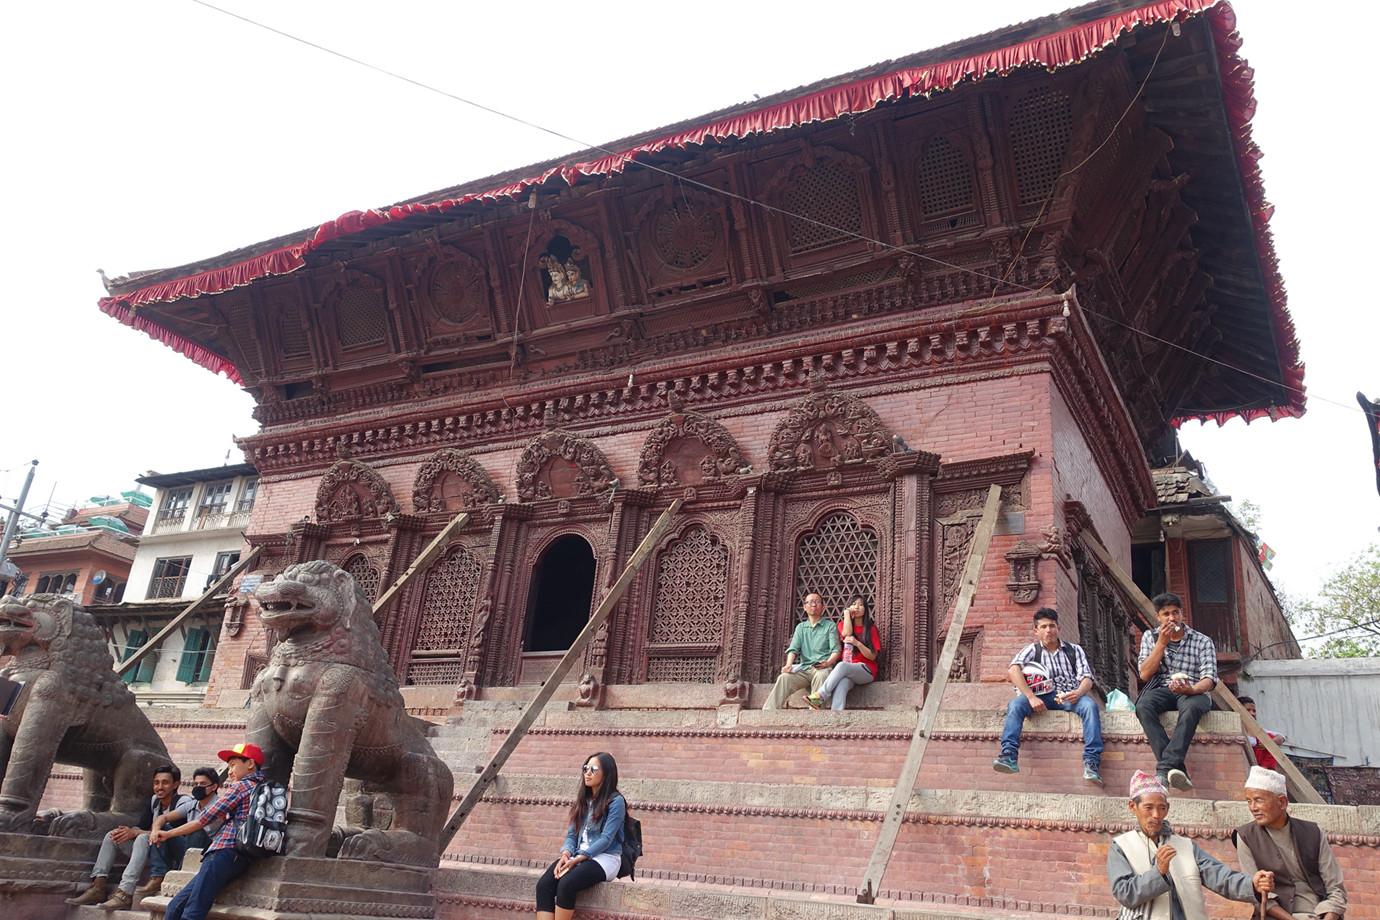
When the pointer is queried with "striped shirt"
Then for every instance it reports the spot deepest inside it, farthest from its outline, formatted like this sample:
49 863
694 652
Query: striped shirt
1067 675
232 805
1194 655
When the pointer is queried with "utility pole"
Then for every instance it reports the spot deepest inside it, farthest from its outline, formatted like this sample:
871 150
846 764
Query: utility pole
15 512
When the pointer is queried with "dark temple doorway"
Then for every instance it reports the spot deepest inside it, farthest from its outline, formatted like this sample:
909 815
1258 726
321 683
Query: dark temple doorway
562 591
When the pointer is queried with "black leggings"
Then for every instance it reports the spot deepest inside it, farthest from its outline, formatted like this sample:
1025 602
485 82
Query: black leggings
553 892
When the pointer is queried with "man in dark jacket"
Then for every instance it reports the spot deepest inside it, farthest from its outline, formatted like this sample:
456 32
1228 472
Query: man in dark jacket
1308 881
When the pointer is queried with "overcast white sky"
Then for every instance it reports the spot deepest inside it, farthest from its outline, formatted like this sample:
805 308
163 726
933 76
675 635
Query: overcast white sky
152 133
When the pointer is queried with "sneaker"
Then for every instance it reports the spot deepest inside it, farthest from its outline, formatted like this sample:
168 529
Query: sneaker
94 894
1091 775
120 900
1006 765
815 701
152 886
1179 780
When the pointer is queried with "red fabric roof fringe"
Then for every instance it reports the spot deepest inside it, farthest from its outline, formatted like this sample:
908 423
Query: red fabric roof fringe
1060 49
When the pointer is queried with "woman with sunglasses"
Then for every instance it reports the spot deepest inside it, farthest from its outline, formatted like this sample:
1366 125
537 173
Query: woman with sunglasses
593 847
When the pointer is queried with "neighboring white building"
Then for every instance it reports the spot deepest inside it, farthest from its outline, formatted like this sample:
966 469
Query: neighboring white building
194 535
1326 707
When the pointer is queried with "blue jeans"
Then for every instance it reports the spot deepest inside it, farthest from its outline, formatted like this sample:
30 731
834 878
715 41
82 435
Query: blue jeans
218 869
1087 709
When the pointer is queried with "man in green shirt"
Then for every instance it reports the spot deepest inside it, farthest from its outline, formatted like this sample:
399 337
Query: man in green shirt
814 649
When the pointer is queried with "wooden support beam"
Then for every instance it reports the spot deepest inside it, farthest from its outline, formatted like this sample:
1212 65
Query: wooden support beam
433 549
148 647
548 689
905 784
1299 786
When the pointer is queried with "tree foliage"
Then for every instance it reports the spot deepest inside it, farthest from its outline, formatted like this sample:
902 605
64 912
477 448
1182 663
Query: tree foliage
1348 604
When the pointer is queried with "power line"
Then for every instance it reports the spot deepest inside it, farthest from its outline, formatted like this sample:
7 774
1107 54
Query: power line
766 206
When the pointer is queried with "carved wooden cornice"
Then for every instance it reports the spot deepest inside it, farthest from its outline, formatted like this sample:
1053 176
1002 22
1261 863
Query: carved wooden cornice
1009 335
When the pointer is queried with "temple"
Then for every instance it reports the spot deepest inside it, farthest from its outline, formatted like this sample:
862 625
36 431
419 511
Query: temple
827 320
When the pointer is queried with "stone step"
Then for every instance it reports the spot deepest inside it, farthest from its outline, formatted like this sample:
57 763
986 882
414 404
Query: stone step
489 894
91 912
804 747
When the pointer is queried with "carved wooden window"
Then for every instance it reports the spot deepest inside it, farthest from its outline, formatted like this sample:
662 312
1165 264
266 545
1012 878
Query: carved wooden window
1040 128
828 195
837 560
687 622
1104 628
361 318
448 601
684 237
365 575
456 292
294 334
946 186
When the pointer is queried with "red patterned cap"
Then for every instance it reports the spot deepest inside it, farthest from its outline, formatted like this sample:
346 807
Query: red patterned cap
250 751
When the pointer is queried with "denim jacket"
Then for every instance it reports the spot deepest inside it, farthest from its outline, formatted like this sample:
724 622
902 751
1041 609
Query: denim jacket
609 839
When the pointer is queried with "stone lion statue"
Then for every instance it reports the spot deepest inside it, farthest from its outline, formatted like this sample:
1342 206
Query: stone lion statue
73 710
327 707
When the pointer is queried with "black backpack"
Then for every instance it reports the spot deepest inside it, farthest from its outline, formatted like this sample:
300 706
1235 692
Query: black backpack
632 845
263 832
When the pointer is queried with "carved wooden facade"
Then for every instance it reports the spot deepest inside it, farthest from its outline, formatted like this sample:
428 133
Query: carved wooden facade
814 378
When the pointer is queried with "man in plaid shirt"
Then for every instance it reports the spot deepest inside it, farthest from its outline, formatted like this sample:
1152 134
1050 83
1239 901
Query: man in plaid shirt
1178 666
221 864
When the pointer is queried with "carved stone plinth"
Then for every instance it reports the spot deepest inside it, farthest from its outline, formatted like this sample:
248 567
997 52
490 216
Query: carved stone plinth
299 887
36 873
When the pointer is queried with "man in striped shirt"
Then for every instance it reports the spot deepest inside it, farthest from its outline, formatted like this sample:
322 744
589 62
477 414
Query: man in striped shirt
1178 667
1067 687
221 864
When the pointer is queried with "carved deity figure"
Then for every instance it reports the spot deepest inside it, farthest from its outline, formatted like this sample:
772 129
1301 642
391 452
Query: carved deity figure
328 707
567 279
73 709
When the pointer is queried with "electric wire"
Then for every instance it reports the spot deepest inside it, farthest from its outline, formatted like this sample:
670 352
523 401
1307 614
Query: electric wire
631 161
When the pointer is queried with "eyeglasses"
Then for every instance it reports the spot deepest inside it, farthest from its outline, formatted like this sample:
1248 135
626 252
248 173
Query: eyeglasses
591 768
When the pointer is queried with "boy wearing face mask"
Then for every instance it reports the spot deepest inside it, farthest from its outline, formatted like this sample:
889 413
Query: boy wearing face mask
169 853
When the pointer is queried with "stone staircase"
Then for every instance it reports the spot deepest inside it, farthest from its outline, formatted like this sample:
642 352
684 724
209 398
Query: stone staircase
773 815
749 813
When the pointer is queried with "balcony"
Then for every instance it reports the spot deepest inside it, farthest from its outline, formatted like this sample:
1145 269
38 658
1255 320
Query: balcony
170 521
216 518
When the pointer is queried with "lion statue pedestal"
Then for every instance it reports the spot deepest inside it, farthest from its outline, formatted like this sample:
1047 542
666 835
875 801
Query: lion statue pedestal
300 886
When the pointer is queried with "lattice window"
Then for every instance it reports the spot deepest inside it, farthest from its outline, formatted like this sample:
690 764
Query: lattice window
829 194
691 584
452 586
946 179
364 574
1040 127
434 673
360 316
837 560
294 335
682 670
241 328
